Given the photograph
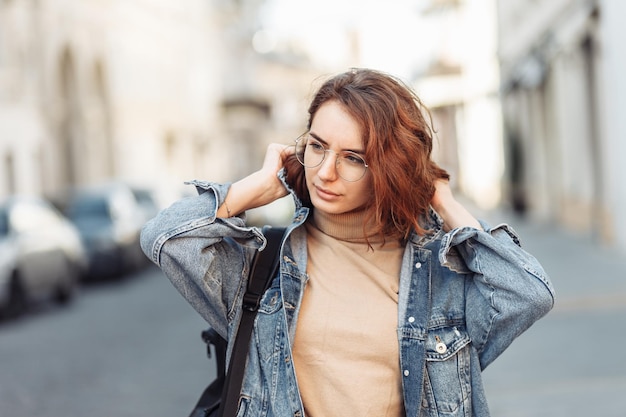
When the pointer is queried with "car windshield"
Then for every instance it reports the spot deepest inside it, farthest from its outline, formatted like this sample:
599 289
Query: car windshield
143 196
86 207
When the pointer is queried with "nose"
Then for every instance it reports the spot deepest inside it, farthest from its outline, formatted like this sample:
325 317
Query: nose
327 171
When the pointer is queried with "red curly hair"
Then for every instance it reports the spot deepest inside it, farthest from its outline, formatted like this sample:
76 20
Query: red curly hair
398 143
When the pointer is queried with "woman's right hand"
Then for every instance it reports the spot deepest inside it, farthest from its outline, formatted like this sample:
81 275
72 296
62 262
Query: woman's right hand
275 156
259 188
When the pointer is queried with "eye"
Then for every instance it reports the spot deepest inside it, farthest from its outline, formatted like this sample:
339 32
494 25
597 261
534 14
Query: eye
315 145
353 159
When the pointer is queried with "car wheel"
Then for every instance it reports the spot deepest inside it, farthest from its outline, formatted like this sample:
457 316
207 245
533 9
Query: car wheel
18 300
67 288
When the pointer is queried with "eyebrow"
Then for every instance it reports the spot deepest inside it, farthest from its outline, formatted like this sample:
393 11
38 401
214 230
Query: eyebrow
316 137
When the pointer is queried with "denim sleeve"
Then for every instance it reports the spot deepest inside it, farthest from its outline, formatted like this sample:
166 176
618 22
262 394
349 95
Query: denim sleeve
205 258
507 289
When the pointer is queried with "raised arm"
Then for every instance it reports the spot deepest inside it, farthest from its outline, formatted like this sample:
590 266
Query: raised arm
259 188
507 289
453 213
203 249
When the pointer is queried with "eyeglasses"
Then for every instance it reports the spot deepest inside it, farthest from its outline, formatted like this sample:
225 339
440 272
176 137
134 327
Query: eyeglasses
311 153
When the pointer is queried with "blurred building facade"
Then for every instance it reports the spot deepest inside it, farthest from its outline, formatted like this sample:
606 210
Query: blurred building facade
153 92
563 108
84 91
150 92
459 84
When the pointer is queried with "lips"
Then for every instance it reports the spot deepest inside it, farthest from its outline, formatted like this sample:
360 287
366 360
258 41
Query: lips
325 193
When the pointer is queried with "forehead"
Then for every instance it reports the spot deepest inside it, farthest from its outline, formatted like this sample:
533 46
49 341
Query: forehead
334 125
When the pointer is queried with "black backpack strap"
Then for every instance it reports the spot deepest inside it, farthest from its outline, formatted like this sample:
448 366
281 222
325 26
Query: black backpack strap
264 268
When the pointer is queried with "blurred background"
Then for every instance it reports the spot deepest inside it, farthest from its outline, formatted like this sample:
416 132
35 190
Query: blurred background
526 94
108 106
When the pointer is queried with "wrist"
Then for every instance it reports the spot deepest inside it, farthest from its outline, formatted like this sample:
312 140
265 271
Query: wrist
455 215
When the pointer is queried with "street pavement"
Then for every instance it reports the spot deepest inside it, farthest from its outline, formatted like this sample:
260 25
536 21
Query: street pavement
132 349
569 363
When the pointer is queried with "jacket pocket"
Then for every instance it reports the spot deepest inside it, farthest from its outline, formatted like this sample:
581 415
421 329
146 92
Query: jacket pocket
447 382
269 329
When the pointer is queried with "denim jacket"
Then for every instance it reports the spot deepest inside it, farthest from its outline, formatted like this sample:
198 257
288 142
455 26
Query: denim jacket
464 297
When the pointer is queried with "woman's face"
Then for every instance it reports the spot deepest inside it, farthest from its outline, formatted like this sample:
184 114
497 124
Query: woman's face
338 131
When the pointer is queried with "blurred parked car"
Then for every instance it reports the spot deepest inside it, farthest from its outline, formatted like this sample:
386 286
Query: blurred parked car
41 254
109 219
147 200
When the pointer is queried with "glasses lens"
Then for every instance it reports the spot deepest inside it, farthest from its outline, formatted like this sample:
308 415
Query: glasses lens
351 166
311 153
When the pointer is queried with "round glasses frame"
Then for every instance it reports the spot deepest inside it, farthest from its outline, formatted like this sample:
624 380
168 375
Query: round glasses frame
345 161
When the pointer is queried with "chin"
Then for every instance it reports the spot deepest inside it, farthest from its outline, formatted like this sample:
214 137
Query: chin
326 207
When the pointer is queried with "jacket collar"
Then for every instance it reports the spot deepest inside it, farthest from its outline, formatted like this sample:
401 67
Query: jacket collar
430 221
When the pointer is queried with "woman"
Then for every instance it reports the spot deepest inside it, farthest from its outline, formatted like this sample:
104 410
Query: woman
391 297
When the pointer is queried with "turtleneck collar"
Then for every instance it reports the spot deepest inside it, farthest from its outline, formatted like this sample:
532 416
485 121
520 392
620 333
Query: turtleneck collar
346 226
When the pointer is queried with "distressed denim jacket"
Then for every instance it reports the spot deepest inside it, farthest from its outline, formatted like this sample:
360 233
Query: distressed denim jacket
464 297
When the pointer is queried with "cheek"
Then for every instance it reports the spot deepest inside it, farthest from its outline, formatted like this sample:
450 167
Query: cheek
364 190
309 173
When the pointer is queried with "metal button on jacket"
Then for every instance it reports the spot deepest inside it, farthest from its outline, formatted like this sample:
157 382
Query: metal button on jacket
440 347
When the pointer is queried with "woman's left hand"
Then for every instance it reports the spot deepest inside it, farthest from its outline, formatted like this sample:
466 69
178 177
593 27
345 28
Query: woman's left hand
453 213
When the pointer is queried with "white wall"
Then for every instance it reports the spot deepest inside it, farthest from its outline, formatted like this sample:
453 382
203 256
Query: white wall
613 32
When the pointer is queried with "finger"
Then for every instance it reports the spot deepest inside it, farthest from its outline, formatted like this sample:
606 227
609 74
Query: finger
287 151
274 156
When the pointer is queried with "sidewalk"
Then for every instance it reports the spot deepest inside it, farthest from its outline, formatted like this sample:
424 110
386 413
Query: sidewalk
569 363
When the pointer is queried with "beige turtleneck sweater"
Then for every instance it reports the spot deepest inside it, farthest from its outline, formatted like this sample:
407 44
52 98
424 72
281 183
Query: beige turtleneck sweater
346 346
